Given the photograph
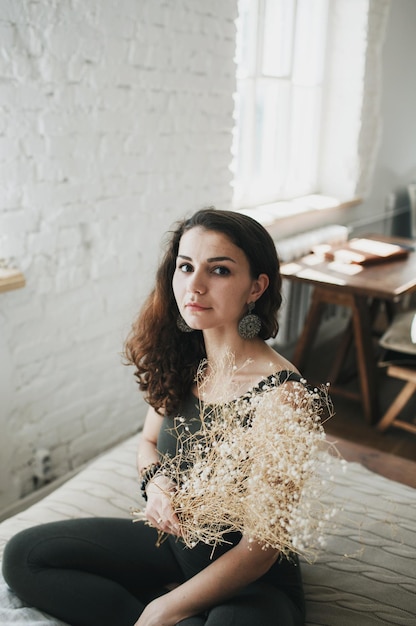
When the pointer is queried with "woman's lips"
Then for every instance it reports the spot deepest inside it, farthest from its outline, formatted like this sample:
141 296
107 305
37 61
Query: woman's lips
193 306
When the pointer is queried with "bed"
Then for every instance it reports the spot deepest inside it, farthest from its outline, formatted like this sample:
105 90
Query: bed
365 576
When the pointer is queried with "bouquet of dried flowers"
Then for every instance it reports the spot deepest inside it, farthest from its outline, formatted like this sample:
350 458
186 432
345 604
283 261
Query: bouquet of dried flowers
257 465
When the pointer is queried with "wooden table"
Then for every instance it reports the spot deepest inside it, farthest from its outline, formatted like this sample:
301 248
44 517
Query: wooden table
362 289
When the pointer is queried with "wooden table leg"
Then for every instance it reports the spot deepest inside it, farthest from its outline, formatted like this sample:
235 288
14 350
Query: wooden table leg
342 353
367 370
362 332
309 332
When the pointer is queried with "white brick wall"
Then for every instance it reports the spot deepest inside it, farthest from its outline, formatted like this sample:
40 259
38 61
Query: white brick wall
115 119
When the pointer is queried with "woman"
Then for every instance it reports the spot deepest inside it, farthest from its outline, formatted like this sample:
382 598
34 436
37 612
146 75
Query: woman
218 267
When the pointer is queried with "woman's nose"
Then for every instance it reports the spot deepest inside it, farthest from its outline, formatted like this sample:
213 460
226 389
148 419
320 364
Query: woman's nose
196 283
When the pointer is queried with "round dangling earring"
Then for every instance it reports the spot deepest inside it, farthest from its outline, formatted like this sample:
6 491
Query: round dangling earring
182 325
250 324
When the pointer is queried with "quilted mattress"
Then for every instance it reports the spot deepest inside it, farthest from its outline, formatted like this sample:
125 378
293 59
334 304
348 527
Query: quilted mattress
365 576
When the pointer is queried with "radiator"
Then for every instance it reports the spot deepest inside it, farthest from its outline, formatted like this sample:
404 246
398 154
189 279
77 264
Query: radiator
296 296
401 209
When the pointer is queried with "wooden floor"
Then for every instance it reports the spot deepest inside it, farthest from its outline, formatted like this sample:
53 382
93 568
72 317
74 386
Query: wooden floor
348 422
359 440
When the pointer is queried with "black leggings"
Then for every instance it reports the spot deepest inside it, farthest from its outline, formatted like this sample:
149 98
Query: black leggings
104 571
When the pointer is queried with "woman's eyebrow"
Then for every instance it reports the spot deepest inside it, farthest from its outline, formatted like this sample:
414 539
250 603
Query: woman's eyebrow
214 259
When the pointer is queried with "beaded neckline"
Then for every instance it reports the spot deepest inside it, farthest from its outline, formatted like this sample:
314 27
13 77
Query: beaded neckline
273 380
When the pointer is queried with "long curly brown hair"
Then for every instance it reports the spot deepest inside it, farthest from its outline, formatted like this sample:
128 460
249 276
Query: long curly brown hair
167 359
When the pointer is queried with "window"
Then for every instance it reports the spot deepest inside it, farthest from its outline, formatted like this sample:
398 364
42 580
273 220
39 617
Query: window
307 102
280 71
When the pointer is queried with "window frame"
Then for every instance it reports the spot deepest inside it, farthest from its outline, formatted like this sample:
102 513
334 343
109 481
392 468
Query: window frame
351 130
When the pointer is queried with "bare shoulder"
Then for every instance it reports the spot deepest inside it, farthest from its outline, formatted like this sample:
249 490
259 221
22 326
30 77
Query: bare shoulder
266 362
278 363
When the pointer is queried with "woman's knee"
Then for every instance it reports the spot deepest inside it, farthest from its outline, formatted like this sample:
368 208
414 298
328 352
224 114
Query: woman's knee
257 604
15 562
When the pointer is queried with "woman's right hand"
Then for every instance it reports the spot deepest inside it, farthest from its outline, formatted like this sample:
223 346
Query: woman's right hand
159 511
157 613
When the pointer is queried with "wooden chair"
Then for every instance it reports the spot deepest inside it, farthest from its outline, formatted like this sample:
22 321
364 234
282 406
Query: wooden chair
390 418
399 341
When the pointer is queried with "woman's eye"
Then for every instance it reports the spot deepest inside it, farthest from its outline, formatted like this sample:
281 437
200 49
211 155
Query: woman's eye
185 267
221 270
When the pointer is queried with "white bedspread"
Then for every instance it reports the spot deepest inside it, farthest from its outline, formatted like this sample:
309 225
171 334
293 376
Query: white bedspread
366 576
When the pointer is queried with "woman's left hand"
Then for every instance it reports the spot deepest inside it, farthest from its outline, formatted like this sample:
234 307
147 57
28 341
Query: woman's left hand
158 509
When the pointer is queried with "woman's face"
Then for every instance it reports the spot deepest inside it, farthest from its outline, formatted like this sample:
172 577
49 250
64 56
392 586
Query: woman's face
212 283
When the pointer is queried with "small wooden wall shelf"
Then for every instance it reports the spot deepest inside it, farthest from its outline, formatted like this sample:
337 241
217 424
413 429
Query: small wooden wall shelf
11 279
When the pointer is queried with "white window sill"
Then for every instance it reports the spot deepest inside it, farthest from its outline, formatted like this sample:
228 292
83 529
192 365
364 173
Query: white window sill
296 216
